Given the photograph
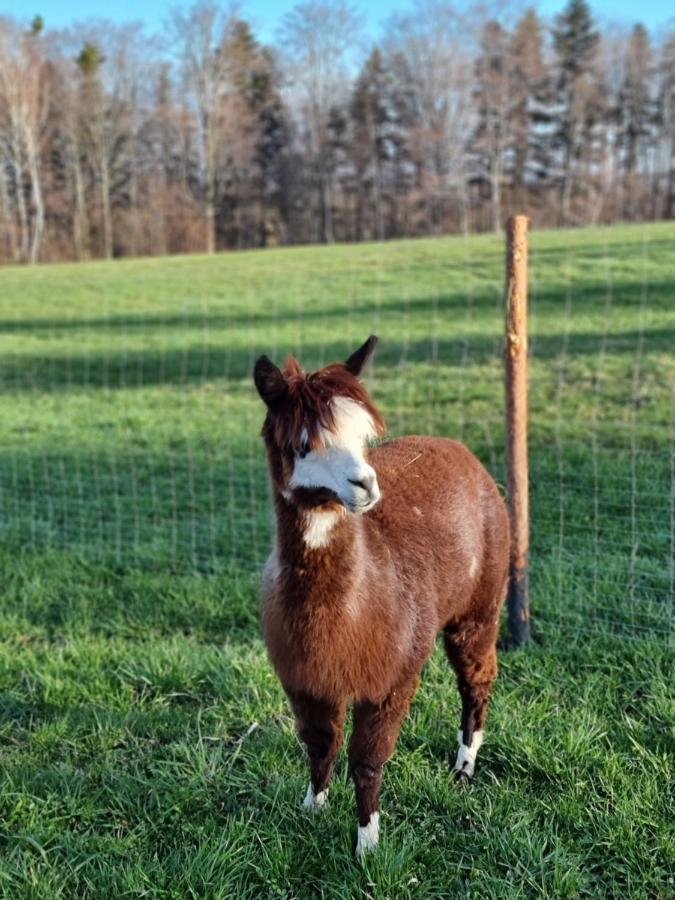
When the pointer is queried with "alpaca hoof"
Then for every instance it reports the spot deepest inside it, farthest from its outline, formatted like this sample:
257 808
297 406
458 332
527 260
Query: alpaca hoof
368 836
313 801
466 756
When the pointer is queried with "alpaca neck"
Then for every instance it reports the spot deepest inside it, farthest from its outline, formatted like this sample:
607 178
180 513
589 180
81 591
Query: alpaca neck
315 540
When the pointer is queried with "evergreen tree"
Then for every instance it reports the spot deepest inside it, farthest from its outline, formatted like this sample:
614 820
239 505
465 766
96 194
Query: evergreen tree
575 41
94 133
407 160
257 119
666 122
372 113
491 96
635 112
528 93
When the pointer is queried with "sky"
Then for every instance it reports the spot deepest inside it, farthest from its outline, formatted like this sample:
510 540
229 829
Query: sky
267 14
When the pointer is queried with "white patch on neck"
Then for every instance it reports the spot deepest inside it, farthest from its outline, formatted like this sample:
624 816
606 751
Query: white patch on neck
367 836
315 801
466 756
473 568
318 525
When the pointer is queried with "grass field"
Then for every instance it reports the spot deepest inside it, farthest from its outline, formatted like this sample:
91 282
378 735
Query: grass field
145 746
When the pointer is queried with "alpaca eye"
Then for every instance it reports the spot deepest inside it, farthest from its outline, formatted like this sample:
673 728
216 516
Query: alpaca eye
304 449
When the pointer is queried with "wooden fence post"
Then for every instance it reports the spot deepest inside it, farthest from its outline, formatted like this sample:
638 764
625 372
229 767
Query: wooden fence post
515 353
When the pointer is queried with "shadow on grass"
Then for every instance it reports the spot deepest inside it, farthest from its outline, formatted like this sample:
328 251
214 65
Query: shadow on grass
199 363
481 299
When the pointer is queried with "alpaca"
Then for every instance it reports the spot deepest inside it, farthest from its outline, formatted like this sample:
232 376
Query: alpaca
378 548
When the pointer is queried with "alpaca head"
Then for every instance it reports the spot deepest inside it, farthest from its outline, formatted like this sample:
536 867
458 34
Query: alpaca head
317 430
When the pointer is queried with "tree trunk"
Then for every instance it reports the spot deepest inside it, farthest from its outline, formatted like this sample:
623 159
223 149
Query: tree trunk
105 209
326 213
569 137
566 188
132 227
669 209
80 221
210 199
359 206
8 218
496 194
210 217
379 219
38 202
24 227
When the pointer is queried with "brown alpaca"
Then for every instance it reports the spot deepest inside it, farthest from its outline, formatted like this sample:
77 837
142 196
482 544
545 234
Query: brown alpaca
377 550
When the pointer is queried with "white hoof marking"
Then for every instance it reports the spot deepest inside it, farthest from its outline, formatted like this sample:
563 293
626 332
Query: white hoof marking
466 756
315 801
368 835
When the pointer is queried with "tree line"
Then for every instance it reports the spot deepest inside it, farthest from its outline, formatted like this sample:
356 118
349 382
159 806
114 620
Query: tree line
116 143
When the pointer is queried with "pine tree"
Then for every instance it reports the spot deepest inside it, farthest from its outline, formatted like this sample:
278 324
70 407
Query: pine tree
257 124
528 90
93 130
575 41
666 121
635 112
491 97
372 114
406 160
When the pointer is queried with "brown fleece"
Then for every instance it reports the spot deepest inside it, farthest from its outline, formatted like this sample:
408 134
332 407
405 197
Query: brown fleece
353 622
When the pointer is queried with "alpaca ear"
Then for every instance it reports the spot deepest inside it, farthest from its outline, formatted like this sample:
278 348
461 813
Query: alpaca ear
269 380
360 357
292 367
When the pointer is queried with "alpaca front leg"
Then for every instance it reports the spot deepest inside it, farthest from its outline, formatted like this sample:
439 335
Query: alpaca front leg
320 727
376 730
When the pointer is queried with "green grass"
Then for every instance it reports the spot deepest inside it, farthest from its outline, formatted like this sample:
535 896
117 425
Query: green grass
145 746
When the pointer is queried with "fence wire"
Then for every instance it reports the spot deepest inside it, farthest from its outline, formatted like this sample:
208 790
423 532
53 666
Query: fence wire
131 424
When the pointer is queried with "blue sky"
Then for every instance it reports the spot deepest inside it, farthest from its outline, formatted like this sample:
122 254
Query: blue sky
266 14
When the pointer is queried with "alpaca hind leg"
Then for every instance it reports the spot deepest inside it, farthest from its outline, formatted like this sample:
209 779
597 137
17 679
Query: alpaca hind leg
471 649
374 736
320 727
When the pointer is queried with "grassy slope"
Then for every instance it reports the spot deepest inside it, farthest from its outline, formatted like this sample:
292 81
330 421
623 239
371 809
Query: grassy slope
129 683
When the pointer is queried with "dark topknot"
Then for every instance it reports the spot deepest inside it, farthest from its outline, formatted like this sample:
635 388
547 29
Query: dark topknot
306 404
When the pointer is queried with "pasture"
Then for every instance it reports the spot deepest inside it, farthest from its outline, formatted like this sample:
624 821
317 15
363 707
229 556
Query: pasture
145 745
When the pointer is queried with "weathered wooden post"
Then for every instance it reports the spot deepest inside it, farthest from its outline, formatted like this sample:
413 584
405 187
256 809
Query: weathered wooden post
515 353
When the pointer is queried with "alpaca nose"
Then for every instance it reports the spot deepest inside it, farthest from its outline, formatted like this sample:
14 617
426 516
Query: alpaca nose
365 482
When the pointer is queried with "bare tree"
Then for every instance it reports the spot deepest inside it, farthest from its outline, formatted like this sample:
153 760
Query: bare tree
111 147
317 36
23 113
435 45
200 34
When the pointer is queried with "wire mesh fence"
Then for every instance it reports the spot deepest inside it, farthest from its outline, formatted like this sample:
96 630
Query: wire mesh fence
131 425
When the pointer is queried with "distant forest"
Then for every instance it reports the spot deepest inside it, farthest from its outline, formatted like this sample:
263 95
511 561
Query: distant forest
117 143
